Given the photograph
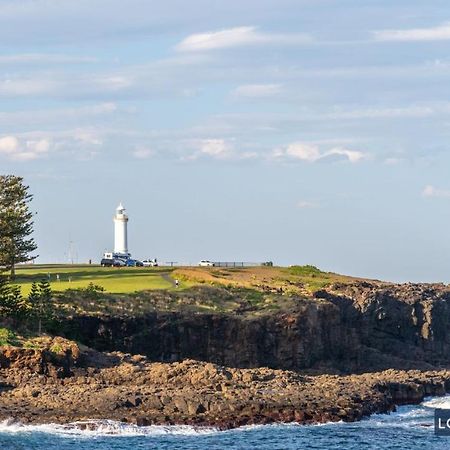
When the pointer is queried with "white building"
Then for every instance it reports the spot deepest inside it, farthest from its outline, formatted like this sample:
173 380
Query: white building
120 231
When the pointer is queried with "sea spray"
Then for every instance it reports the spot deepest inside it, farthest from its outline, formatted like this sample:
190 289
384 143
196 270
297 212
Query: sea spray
104 428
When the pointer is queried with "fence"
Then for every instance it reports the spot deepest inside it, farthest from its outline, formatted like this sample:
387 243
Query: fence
229 264
239 264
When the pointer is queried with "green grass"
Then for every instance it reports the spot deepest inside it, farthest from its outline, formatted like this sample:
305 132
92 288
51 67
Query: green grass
312 278
114 280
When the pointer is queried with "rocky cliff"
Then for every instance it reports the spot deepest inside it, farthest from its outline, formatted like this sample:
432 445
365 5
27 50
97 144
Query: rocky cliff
347 327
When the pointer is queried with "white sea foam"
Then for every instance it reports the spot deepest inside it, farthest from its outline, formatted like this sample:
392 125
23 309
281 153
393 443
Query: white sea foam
405 416
417 417
91 428
413 413
438 402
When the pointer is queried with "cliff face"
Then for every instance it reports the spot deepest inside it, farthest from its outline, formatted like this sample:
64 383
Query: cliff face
351 328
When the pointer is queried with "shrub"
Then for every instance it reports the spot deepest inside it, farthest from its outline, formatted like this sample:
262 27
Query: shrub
7 337
307 270
56 348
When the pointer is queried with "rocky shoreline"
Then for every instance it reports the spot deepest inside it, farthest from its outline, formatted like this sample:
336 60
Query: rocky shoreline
64 382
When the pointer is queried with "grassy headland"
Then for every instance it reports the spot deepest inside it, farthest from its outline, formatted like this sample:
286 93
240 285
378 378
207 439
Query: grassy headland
123 280
131 291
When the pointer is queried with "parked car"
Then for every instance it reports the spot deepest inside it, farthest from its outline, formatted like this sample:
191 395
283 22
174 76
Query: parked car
107 262
205 263
150 263
134 263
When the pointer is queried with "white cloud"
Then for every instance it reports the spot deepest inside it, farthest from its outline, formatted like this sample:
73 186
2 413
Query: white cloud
312 153
44 58
8 144
50 115
23 150
27 86
433 192
413 111
143 153
392 161
352 155
218 149
78 144
305 204
437 33
40 146
64 84
86 137
113 83
257 90
305 152
237 37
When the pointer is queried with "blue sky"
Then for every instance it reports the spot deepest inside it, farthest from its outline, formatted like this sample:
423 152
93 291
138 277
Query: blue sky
306 131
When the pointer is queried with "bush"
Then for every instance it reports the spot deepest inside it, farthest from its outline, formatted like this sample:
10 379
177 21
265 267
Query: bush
307 270
56 348
7 337
12 304
92 291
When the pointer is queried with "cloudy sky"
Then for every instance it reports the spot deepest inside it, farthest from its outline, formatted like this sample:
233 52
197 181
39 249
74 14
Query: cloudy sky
298 131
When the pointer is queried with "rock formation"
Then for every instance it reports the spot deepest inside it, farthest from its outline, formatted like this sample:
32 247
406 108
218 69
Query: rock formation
345 328
36 386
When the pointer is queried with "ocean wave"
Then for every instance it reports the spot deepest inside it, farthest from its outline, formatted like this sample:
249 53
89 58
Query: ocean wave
91 428
438 402
281 425
103 428
405 416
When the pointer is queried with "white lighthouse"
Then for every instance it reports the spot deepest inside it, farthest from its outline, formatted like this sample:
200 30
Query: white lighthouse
120 231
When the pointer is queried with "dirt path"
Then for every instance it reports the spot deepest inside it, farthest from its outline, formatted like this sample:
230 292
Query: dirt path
169 279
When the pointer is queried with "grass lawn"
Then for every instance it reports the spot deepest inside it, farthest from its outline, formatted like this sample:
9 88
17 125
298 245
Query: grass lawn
113 279
123 280
302 280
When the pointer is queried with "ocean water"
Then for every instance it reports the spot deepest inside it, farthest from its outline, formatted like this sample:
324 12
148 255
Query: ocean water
411 427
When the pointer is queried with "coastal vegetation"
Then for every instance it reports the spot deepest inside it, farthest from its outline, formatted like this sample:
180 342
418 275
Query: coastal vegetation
8 337
136 291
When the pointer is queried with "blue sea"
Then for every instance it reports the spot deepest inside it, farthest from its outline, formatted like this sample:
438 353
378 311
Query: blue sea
411 427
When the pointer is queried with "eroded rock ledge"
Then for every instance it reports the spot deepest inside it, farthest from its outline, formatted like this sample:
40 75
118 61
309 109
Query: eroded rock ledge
43 386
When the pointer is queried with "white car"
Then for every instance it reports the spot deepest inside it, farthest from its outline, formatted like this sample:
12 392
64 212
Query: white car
205 263
150 263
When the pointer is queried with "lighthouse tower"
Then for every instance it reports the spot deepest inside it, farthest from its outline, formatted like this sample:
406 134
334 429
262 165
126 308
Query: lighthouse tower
120 231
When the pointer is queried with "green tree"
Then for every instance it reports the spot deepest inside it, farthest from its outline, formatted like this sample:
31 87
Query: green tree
16 223
45 291
12 304
39 299
35 306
